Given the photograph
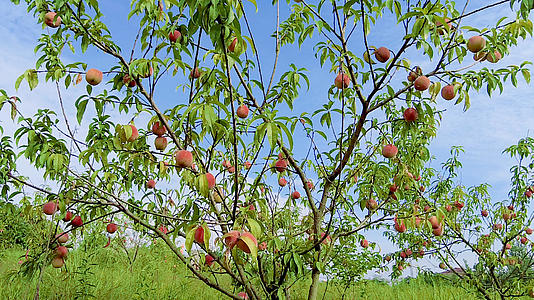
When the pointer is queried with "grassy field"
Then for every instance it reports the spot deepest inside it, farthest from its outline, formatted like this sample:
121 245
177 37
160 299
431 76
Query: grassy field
156 274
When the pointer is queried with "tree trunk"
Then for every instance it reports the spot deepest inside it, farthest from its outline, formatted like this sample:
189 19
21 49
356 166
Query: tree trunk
312 294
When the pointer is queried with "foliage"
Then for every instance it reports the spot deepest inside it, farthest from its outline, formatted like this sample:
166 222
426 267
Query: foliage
221 198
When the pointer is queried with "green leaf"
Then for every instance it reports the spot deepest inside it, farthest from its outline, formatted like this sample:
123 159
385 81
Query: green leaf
254 227
526 75
202 185
189 238
82 105
207 235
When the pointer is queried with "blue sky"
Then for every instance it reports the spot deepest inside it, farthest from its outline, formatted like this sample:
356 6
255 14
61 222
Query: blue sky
491 124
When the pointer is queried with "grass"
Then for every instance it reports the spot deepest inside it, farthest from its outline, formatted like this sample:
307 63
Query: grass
157 274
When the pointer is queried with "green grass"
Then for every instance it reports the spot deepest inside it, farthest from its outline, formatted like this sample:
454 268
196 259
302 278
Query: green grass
157 274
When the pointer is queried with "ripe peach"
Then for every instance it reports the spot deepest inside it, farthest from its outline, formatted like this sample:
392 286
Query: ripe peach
151 184
158 128
371 204
496 58
231 47
62 251
50 208
209 260
211 180
62 237
389 151
128 81
195 73
199 235
77 221
184 159
434 222
280 165
242 111
438 231
412 76
447 92
410 114
400 227
111 227
230 239
342 81
382 54
68 216
175 36
364 243
421 83
476 43
93 76
295 195
49 19
282 182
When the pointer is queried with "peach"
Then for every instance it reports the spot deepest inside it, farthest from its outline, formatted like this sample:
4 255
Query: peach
382 54
158 129
231 47
184 159
50 208
410 114
68 216
111 228
211 180
49 19
199 235
62 237
389 151
128 81
77 221
496 58
421 83
161 143
195 73
476 43
62 251
280 165
58 262
175 36
342 81
447 92
93 76
242 111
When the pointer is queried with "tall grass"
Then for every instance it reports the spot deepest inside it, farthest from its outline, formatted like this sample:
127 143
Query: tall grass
157 274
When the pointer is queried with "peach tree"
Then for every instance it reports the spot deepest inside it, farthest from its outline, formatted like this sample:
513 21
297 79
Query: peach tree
190 132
